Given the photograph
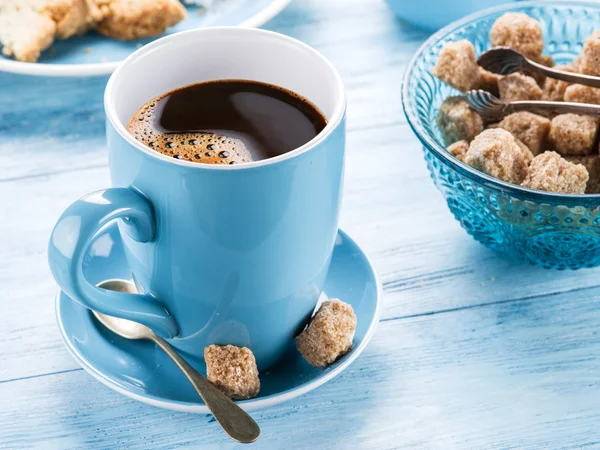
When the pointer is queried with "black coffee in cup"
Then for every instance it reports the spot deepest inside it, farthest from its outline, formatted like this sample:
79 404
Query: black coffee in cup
227 122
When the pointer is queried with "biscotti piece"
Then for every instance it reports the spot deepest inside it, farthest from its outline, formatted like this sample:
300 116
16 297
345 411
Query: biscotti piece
582 94
233 370
72 17
458 150
458 121
550 172
590 56
517 86
497 153
24 34
457 66
28 27
134 19
529 128
329 334
518 31
592 164
573 134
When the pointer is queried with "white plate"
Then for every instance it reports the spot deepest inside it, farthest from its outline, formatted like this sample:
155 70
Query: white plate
93 54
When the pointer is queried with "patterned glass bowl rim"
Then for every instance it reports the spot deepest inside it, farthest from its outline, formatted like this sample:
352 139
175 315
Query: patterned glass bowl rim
415 122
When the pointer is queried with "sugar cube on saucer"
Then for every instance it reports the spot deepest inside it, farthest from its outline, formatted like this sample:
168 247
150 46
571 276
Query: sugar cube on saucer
233 370
329 334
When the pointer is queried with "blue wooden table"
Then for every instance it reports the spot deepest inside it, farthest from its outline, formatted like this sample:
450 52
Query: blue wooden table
472 351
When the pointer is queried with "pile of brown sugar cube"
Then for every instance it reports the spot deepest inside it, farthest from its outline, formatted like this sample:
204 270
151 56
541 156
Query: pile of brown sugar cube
327 337
555 154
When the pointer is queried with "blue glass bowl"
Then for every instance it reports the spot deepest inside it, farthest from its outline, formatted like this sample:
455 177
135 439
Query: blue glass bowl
557 231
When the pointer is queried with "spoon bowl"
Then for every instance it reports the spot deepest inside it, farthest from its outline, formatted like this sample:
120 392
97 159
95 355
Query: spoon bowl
123 327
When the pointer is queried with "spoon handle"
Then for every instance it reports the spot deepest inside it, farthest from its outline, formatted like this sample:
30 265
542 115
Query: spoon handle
552 107
563 75
233 419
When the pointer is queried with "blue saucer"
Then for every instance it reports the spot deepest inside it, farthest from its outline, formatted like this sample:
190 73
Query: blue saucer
94 54
138 369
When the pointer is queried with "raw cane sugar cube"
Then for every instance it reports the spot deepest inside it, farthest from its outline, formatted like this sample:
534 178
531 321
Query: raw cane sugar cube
458 150
525 152
531 129
545 60
496 152
590 56
573 134
457 66
233 370
592 164
329 334
488 81
517 86
518 31
575 65
458 121
582 94
551 172
553 89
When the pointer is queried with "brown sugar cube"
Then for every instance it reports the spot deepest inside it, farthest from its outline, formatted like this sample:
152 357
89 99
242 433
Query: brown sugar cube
525 152
497 153
590 56
518 31
457 66
545 60
517 86
550 172
573 134
329 334
233 370
529 128
575 65
582 94
458 149
553 89
592 164
458 121
488 81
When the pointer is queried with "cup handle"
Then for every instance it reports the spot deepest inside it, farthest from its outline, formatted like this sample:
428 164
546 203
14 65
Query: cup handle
73 234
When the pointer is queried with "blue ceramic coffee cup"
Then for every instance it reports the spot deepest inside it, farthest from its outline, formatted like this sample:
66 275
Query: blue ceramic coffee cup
220 254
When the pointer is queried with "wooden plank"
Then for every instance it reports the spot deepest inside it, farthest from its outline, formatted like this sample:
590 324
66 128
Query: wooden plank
518 375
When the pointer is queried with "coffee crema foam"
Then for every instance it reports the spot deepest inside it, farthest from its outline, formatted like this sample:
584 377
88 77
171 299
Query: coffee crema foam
209 148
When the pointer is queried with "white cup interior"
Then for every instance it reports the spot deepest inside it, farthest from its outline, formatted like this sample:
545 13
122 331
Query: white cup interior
223 53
